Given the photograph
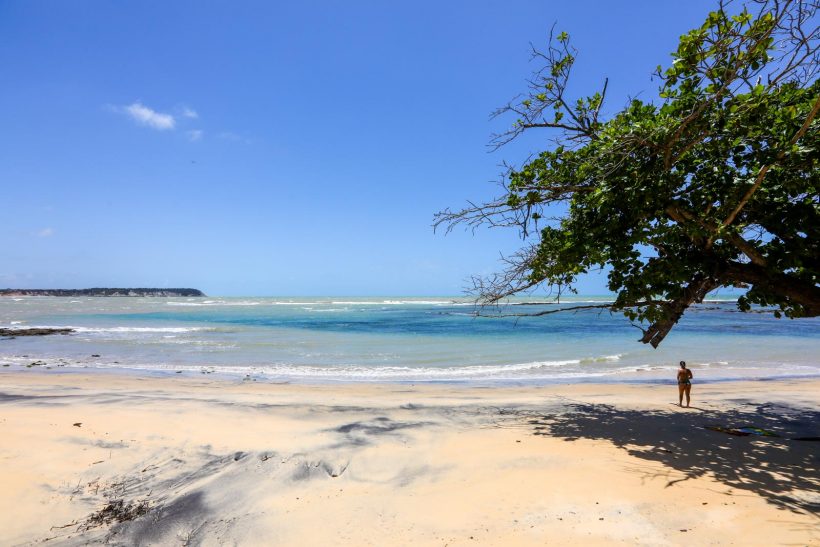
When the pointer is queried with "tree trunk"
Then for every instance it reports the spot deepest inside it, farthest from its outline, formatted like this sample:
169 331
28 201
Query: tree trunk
694 293
795 290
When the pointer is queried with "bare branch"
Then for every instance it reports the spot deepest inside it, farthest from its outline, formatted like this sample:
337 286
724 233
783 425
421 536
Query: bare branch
608 306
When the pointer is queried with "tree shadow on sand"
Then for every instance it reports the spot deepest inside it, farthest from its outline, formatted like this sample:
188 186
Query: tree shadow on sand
781 469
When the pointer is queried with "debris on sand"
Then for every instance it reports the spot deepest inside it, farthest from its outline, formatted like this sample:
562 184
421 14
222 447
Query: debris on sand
117 511
36 331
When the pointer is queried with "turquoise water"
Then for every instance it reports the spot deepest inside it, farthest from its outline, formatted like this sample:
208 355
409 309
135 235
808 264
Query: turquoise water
400 339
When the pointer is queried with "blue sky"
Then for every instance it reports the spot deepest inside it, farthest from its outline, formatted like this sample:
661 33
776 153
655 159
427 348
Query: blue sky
291 148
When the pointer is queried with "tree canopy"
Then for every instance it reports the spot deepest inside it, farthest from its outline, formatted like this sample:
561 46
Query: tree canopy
715 183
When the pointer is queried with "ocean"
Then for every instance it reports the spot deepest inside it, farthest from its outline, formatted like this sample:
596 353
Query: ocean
398 339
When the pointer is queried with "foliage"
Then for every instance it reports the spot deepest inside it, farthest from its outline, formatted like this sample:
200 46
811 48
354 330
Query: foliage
714 184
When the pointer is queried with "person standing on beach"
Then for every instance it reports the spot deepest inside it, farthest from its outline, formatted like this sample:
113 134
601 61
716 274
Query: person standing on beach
684 383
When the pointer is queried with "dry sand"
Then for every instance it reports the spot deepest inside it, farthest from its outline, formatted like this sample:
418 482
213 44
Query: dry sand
217 462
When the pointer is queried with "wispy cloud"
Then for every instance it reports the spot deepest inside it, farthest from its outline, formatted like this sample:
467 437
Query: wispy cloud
181 118
149 117
231 136
45 232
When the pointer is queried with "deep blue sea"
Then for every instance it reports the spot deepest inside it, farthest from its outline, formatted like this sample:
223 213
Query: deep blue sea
432 339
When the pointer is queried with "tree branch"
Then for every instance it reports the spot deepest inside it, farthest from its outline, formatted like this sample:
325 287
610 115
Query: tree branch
765 169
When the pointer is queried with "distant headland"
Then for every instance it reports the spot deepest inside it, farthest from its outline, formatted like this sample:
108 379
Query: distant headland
101 292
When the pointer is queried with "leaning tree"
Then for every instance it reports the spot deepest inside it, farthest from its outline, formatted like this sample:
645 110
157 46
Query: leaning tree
716 183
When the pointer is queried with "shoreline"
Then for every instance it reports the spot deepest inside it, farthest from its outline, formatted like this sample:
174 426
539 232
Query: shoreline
204 461
261 377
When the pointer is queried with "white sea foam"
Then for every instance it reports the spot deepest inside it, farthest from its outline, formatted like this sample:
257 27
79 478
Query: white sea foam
215 303
603 359
397 373
341 372
390 302
198 343
122 329
563 370
139 329
290 303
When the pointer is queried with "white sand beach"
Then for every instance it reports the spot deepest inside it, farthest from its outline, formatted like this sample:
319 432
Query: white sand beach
117 459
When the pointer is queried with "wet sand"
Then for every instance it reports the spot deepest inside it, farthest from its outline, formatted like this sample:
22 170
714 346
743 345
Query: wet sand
94 458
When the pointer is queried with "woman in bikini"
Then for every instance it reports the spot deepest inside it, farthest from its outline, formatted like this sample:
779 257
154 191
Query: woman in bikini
684 383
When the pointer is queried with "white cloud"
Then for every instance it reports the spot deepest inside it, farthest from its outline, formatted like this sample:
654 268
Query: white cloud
45 232
149 117
195 134
189 113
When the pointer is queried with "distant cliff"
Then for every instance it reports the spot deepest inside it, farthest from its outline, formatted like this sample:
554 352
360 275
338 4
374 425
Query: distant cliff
101 292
